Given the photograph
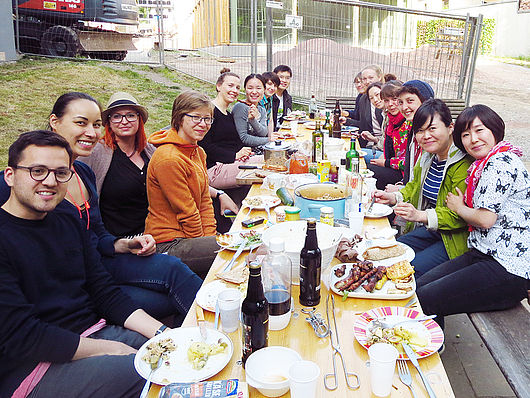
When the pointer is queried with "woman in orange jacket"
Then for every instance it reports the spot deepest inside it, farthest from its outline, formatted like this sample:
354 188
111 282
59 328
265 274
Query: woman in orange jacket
181 216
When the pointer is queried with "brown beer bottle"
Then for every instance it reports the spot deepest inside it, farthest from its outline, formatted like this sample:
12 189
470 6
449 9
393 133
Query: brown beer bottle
310 267
336 120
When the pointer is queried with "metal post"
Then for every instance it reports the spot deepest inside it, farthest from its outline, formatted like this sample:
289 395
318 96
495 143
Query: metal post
469 31
253 35
233 22
269 38
17 29
159 16
478 31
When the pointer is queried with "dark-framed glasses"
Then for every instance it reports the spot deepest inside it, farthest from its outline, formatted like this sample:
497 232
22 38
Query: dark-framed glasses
197 119
40 173
118 117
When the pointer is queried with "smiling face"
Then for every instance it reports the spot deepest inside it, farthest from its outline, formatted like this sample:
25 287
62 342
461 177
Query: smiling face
285 80
359 86
478 140
254 91
435 137
408 104
229 89
80 125
370 76
32 199
124 128
391 105
270 89
375 97
191 131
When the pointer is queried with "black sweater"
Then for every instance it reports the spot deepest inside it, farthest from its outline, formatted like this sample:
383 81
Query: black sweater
222 142
52 288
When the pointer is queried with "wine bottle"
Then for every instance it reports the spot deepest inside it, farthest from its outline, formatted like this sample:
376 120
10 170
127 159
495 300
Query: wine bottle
327 127
312 107
352 158
336 120
310 267
254 314
318 143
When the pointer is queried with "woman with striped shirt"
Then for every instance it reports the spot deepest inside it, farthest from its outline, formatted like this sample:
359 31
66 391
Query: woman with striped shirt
435 232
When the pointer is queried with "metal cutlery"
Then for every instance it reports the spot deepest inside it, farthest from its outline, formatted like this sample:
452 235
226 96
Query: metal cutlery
201 322
234 257
411 302
405 376
387 324
371 205
414 360
147 384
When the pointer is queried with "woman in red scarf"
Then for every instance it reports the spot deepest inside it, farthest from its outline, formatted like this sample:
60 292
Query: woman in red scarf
494 274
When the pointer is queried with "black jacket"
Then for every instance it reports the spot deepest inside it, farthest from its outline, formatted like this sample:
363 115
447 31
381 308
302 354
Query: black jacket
361 116
287 104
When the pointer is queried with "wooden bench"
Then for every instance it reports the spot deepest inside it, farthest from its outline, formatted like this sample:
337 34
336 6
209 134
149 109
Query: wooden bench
455 105
506 334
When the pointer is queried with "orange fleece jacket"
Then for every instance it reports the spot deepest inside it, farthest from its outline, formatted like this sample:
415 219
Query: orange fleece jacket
180 205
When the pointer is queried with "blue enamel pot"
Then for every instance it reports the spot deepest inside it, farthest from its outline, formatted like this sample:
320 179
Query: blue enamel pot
311 197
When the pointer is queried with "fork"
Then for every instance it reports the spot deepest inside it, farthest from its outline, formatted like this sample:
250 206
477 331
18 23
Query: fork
404 375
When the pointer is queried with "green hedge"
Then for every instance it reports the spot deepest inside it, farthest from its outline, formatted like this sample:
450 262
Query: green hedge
427 32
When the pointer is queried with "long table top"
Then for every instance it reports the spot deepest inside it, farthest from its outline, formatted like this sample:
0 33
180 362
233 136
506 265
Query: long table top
300 336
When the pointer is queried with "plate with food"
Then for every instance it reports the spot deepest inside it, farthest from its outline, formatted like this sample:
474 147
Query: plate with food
260 202
379 210
234 240
424 337
186 357
386 252
207 294
310 124
366 173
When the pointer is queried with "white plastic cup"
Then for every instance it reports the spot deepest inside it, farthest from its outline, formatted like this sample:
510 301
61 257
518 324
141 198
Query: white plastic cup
294 126
303 376
356 219
382 366
229 302
369 188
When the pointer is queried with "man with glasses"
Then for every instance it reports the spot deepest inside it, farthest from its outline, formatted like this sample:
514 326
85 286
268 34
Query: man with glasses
282 102
53 289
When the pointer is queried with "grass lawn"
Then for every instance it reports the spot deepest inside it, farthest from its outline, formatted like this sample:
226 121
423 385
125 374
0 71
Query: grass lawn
29 88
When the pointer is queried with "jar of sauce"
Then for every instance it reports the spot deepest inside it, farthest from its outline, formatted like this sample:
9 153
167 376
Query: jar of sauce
292 213
327 215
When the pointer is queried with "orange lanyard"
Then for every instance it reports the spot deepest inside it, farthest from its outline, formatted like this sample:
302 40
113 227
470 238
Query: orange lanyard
85 203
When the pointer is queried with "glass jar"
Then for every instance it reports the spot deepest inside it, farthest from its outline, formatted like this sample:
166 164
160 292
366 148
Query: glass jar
327 215
292 213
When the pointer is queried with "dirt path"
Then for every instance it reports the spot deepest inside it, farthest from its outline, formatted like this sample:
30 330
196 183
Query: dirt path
506 89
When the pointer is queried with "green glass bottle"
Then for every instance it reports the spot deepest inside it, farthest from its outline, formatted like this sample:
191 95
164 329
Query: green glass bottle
318 143
352 158
327 125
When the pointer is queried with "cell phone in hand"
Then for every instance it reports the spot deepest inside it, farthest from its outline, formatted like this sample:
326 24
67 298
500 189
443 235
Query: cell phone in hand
229 213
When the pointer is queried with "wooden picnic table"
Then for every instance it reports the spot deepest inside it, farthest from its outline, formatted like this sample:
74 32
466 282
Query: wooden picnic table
300 336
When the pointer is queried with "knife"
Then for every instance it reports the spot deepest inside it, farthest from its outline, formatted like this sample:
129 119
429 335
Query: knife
235 256
201 322
414 359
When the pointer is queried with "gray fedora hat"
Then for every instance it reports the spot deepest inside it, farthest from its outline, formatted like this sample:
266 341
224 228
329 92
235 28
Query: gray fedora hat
120 99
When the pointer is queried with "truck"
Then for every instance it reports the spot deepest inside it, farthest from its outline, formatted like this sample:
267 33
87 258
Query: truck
67 28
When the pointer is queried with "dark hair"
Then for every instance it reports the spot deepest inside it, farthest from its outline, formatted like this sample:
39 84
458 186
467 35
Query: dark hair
425 113
389 76
59 108
255 76
187 102
411 90
487 116
358 77
390 89
283 68
39 138
372 85
271 76
225 72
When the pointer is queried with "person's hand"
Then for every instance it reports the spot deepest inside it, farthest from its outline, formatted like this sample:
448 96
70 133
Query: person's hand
455 202
227 203
275 135
378 162
385 198
253 112
368 136
143 245
393 187
111 347
261 250
243 154
342 119
409 213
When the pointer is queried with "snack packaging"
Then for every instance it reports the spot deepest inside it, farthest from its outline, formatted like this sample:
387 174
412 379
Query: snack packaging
206 389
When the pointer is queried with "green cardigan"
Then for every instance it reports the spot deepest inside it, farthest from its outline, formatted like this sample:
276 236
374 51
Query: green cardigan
452 228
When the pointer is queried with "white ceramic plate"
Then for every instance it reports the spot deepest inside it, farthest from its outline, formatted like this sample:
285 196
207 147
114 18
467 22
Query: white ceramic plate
379 210
179 369
271 201
366 173
207 294
408 255
232 240
361 293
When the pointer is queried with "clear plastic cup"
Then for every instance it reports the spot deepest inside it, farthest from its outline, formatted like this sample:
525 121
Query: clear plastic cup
382 365
356 219
229 302
294 127
303 377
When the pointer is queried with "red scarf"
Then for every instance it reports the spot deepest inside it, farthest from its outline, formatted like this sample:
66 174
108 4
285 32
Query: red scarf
475 170
394 121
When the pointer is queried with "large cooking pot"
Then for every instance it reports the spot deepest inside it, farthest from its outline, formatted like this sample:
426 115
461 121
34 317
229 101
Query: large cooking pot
276 155
311 197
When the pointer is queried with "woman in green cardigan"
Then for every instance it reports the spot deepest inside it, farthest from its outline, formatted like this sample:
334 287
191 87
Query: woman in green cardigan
435 232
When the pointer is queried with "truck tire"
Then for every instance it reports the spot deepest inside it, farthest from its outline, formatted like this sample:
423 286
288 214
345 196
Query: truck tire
108 55
59 41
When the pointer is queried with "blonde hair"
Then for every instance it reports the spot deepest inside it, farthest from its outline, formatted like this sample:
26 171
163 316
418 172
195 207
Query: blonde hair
187 102
377 69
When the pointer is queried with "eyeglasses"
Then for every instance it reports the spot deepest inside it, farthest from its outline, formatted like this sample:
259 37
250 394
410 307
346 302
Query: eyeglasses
118 118
40 173
198 119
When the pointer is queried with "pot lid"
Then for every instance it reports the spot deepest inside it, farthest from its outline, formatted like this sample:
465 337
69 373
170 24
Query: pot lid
277 145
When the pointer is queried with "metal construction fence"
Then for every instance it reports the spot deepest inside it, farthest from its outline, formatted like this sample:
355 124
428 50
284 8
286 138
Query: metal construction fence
325 42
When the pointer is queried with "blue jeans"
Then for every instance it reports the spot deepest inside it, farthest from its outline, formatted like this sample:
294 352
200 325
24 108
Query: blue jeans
429 248
471 282
101 376
369 155
162 285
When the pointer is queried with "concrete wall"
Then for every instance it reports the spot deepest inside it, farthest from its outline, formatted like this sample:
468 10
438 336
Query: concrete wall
7 36
512 29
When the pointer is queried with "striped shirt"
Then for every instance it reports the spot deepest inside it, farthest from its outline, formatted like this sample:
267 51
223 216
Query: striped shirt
433 181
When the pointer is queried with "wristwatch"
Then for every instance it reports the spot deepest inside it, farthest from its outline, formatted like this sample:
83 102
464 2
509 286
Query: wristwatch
160 330
219 193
